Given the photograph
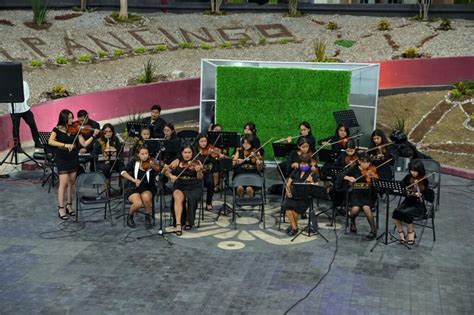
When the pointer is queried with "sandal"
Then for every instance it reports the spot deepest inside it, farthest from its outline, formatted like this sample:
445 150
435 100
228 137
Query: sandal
401 236
62 217
411 242
70 212
188 227
209 208
353 227
179 231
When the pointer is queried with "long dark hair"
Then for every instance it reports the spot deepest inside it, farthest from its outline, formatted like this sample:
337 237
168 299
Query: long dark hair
64 117
417 165
345 128
199 137
252 127
114 141
379 133
302 141
138 149
173 131
186 146
250 139
307 125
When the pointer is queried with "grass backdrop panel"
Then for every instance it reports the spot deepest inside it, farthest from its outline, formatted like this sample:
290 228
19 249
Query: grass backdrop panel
278 99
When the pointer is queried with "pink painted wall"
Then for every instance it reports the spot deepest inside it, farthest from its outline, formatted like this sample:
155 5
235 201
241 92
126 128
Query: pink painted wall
108 104
119 102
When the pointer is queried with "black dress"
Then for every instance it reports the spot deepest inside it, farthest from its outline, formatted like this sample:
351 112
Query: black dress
411 207
191 187
385 171
298 205
245 168
147 181
360 193
66 162
156 127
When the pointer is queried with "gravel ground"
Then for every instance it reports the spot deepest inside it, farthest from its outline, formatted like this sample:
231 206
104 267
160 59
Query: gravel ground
370 46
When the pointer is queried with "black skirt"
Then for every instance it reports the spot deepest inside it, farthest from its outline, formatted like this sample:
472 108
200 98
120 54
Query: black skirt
408 210
297 205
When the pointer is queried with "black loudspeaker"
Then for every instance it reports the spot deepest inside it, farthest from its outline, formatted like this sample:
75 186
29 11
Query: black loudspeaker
11 82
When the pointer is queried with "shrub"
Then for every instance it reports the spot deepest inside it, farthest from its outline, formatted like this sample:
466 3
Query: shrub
85 58
319 47
226 45
262 41
139 50
206 46
332 26
132 17
243 41
36 63
400 124
347 43
445 25
148 74
102 54
284 41
40 11
58 91
462 88
186 45
161 47
62 61
410 52
119 52
383 25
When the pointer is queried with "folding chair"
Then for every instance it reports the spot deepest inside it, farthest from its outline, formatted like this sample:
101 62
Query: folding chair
91 190
49 158
429 202
256 181
435 180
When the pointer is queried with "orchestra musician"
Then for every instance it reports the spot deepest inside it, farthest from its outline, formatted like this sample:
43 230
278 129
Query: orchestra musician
247 160
292 206
379 152
339 140
305 132
169 134
292 162
349 156
251 129
63 138
186 174
225 151
140 187
362 195
412 206
155 122
145 134
89 125
105 151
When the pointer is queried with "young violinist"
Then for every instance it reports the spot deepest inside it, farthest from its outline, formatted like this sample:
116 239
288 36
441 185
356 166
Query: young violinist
186 174
170 135
64 137
224 151
362 196
349 156
292 161
106 149
155 122
412 206
379 152
305 132
339 140
209 157
145 134
294 207
251 129
140 187
84 119
247 160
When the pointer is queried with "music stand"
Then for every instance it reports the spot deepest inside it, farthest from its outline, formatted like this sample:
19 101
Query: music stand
282 149
395 188
135 127
327 156
49 156
226 139
348 118
303 191
225 165
155 146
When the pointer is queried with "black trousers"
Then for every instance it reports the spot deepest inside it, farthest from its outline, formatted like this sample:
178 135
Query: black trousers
30 120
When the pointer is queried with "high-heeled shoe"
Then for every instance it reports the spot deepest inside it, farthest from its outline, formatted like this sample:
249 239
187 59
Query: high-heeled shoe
179 231
62 217
70 212
411 242
352 226
401 237
130 221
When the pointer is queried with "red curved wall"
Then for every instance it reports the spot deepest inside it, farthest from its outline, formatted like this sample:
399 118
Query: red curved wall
120 102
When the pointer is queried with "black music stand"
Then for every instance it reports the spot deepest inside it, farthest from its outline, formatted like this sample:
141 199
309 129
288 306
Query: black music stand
161 195
283 149
327 156
330 173
302 191
49 156
225 166
135 127
348 118
226 139
395 188
155 146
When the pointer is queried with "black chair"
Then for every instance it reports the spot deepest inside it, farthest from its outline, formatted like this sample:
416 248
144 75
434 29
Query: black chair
48 156
432 166
257 182
126 204
92 190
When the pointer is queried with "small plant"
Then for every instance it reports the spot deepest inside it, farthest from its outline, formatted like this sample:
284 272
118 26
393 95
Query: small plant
186 45
148 74
161 47
462 88
139 50
36 63
383 25
319 47
85 58
119 52
332 26
58 91
226 45
262 41
102 54
445 25
243 41
283 41
400 124
293 8
206 46
132 17
347 43
40 11
410 53
62 61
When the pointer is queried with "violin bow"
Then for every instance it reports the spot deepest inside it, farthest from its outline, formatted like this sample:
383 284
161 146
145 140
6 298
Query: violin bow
331 143
267 142
282 176
213 145
415 183
375 168
189 164
379 146
80 127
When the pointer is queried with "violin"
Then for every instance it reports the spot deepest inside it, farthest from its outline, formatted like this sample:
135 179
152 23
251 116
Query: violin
252 155
152 164
73 128
350 159
85 130
211 151
369 173
417 184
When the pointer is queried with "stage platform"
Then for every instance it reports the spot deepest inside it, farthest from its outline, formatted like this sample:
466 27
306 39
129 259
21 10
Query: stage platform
51 267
